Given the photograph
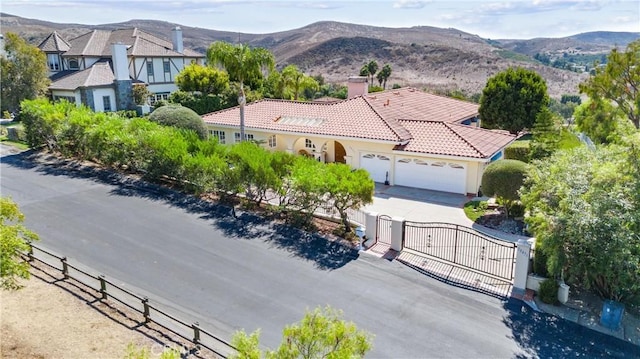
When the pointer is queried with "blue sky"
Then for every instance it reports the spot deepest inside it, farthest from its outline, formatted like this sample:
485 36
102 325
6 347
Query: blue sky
518 19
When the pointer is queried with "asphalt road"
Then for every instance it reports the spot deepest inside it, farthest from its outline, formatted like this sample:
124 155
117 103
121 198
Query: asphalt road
247 273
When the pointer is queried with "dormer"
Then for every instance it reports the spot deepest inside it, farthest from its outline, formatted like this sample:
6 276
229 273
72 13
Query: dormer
54 46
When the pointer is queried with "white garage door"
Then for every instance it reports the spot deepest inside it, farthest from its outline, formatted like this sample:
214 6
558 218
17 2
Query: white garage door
377 165
435 175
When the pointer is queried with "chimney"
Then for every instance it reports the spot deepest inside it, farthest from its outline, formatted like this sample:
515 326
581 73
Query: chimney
176 38
119 59
356 86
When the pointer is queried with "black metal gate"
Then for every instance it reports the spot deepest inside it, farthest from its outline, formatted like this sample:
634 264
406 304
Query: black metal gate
383 230
463 246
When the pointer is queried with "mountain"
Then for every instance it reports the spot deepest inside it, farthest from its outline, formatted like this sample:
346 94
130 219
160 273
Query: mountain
434 58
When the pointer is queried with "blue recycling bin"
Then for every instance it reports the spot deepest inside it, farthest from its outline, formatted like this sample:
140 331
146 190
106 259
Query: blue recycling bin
612 313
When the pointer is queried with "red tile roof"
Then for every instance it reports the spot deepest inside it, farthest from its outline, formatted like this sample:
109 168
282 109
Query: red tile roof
413 120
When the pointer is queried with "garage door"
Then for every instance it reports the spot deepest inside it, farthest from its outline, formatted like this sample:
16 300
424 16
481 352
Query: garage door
435 175
377 165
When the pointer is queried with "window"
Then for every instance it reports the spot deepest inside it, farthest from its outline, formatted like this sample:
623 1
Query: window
272 141
73 64
106 103
71 99
150 69
167 66
219 135
247 136
54 62
159 96
309 144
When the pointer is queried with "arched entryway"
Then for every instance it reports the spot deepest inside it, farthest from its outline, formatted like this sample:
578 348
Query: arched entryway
339 152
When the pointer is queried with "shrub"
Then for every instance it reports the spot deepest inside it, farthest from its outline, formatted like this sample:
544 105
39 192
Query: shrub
548 291
503 179
180 117
519 150
540 263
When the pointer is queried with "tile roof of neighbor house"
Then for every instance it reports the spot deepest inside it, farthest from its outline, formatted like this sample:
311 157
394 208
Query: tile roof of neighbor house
100 74
97 43
413 120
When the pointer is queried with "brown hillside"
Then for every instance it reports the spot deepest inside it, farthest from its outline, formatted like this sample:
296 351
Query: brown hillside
426 57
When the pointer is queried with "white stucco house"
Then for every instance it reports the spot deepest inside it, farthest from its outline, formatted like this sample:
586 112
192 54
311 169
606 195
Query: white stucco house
99 68
401 137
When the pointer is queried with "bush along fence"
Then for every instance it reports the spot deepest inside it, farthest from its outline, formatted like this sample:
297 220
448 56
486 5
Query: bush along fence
108 290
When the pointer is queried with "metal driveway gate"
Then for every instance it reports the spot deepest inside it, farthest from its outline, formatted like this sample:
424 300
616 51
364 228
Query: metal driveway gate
383 229
463 246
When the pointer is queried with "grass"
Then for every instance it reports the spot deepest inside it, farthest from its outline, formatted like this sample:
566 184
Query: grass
568 140
475 209
5 139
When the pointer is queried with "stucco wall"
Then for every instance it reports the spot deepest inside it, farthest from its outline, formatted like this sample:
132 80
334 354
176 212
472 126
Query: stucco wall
97 99
293 143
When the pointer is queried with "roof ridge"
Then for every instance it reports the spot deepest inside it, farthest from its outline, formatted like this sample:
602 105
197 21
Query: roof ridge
386 121
448 125
93 34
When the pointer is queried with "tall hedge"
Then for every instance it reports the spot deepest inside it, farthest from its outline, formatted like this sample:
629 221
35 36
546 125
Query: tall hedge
504 178
518 150
180 117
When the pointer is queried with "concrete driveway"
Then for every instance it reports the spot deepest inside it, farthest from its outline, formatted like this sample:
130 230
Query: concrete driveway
419 205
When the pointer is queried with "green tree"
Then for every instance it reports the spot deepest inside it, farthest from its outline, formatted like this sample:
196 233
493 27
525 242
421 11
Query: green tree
546 135
23 73
322 333
179 117
243 64
297 81
348 189
203 79
584 209
618 82
372 68
601 121
384 75
503 179
140 94
512 99
14 241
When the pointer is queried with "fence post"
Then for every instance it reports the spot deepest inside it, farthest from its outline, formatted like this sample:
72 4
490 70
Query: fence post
30 252
145 306
370 226
397 231
196 333
65 267
523 257
103 287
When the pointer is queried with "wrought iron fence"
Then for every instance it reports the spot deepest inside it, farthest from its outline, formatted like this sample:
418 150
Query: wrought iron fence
463 246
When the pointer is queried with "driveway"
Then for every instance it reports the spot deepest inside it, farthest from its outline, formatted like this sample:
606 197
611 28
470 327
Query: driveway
202 264
421 205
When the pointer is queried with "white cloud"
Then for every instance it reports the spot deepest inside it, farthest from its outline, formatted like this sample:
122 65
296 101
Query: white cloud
410 4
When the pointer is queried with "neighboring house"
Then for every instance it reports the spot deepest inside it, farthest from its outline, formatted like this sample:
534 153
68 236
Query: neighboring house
401 137
99 68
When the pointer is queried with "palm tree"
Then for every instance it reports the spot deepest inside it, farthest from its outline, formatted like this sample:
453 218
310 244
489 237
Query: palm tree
298 81
384 74
372 66
243 64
